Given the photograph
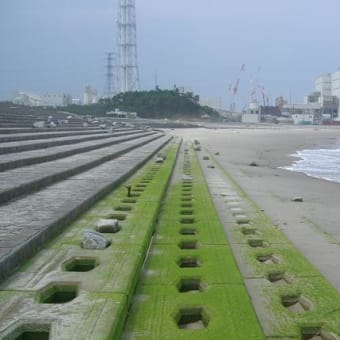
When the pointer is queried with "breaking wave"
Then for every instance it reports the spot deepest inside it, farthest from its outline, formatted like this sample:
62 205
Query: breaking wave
319 163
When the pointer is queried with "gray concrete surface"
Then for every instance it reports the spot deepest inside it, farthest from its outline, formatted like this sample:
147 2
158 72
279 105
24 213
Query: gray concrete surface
27 223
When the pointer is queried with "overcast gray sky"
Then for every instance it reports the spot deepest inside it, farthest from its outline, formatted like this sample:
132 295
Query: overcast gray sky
60 45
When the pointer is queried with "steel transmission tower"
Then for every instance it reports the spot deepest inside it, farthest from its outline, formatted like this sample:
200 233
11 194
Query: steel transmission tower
110 79
127 69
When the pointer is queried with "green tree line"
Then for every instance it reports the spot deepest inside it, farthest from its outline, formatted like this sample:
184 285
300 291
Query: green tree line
156 103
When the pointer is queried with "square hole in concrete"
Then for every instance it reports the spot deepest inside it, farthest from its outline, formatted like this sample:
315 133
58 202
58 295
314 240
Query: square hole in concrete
38 335
188 231
58 293
186 185
186 199
295 303
248 231
186 189
310 333
129 200
257 243
186 205
138 190
277 278
187 220
189 285
190 244
189 262
123 208
80 264
186 194
192 318
186 212
142 185
119 217
267 259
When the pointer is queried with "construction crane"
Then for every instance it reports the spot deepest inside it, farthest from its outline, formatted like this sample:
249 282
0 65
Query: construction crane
256 87
234 87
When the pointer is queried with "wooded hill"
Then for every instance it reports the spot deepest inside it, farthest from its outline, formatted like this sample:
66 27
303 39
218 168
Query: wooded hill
158 104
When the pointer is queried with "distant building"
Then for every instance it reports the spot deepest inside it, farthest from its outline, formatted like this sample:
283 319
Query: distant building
26 98
320 106
307 113
56 99
303 119
121 114
280 101
336 83
76 101
328 87
90 95
253 114
328 104
323 85
270 111
48 99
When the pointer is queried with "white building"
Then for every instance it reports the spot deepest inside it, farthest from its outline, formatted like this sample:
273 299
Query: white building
48 99
323 84
302 114
26 98
336 83
56 99
324 100
253 114
122 114
329 87
76 101
303 119
90 95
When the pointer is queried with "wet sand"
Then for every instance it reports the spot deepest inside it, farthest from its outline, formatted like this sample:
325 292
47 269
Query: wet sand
313 226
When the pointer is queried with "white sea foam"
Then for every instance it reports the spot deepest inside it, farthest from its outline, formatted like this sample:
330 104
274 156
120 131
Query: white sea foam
319 163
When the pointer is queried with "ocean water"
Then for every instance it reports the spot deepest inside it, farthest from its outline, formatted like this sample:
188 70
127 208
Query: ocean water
319 163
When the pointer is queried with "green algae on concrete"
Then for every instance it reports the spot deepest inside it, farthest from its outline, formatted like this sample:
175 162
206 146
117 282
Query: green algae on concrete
216 265
90 316
99 309
303 303
214 303
226 309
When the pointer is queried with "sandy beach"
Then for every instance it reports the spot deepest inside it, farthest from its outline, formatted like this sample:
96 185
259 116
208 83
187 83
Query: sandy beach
313 226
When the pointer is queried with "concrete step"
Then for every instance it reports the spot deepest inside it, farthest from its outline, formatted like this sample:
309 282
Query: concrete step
28 223
22 181
10 130
20 146
20 159
16 137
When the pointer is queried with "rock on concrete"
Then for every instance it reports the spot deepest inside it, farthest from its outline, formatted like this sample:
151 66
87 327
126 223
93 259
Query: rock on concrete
105 225
94 240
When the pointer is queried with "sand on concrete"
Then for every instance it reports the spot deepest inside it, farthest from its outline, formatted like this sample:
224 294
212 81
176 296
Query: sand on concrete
313 225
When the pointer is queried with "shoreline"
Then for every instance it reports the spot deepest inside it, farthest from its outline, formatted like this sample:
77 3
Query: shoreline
311 226
319 163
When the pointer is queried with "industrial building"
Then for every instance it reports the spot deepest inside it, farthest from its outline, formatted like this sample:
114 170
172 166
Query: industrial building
320 106
90 95
47 99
